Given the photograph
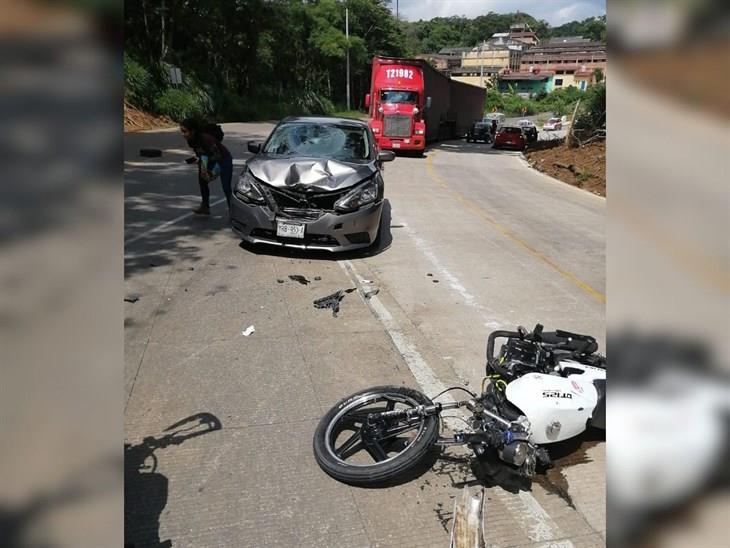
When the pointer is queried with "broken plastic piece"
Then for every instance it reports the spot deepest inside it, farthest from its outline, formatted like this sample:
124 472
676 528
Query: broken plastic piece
248 331
298 278
279 280
131 299
332 301
317 278
369 294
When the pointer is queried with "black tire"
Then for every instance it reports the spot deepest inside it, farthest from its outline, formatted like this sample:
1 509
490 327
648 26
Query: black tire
150 152
368 471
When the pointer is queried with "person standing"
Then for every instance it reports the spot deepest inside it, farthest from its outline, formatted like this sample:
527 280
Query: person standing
212 158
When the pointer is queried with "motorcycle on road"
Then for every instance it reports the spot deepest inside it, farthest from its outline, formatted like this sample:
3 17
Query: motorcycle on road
545 387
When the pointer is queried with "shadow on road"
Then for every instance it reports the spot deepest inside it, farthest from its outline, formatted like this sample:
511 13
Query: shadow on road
145 489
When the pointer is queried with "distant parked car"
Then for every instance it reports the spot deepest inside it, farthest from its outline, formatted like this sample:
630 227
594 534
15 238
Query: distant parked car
479 131
510 136
530 130
553 124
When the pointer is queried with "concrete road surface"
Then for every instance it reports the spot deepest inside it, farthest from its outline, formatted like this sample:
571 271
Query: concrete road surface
473 240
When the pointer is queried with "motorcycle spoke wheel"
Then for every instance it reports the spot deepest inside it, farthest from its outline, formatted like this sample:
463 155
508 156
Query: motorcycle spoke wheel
358 451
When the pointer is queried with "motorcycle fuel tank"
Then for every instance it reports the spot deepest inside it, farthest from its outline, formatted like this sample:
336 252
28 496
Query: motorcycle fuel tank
557 408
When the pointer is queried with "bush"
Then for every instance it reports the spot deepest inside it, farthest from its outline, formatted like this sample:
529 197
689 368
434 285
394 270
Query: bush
311 103
592 113
139 86
179 104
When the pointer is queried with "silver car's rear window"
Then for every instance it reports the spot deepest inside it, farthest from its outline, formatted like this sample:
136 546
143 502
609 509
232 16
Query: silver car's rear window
315 140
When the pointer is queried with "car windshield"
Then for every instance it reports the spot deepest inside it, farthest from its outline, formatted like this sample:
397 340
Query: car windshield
398 96
317 140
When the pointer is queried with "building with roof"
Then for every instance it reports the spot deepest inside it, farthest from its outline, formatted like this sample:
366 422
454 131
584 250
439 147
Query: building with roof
475 75
522 32
573 59
526 83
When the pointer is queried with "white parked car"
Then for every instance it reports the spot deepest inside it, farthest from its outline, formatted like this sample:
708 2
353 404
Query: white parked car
553 124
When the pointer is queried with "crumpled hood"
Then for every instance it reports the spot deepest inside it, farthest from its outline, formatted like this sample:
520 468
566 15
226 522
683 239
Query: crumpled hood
308 173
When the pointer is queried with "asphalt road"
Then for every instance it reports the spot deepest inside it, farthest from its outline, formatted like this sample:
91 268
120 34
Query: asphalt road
473 240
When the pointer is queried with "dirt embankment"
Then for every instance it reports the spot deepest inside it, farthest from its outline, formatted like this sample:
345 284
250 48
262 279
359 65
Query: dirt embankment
584 167
137 120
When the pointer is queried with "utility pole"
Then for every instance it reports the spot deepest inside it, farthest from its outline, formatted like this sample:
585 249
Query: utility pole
347 37
396 11
481 63
162 34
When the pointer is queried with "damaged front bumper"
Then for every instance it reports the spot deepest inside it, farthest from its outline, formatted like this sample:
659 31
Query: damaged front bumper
323 230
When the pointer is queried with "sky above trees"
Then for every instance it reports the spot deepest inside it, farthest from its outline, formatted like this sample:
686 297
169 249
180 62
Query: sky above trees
555 12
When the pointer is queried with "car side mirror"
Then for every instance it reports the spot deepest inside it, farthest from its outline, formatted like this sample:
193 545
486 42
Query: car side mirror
254 147
428 102
386 156
367 100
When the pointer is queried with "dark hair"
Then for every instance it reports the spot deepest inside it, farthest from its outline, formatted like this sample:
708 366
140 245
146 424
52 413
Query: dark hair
191 124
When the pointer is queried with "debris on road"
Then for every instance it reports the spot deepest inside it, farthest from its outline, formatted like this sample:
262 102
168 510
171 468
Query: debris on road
429 274
332 301
299 278
317 278
369 294
248 331
435 281
131 299
279 281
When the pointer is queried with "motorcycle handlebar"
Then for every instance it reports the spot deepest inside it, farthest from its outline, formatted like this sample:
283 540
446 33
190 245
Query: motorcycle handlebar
494 335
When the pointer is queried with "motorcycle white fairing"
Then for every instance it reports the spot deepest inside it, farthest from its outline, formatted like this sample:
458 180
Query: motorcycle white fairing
558 408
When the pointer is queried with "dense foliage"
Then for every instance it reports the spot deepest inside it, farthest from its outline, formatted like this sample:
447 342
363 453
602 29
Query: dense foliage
558 102
259 57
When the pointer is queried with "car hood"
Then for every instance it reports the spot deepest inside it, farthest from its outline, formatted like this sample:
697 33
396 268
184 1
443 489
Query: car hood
308 173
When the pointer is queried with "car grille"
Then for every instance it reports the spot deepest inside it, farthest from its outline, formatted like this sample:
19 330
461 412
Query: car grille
397 126
303 214
305 204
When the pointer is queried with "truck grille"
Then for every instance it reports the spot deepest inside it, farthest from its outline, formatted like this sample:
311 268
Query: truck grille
397 126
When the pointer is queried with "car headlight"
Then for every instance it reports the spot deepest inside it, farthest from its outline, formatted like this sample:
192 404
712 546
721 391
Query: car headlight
247 189
418 132
362 195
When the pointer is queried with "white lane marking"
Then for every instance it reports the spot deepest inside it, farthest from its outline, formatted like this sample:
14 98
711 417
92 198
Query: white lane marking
533 518
166 224
453 281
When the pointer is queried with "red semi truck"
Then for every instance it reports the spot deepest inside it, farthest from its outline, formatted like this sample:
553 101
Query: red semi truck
411 103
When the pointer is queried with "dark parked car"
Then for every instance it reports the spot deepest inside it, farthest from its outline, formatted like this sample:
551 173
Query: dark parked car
479 131
510 136
316 183
530 130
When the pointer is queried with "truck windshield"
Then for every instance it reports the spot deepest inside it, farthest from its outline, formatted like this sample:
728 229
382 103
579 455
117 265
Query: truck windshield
314 140
398 96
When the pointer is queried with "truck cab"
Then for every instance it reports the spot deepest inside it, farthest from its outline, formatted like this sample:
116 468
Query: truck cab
396 104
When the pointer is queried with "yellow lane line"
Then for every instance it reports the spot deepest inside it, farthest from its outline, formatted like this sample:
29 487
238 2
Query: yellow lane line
597 295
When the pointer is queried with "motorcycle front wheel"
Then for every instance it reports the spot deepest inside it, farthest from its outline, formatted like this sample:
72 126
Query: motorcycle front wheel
352 451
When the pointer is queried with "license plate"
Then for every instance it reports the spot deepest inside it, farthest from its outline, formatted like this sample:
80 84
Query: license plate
396 145
289 230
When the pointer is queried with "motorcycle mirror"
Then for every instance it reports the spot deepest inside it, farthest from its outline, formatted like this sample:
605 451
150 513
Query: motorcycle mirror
522 331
